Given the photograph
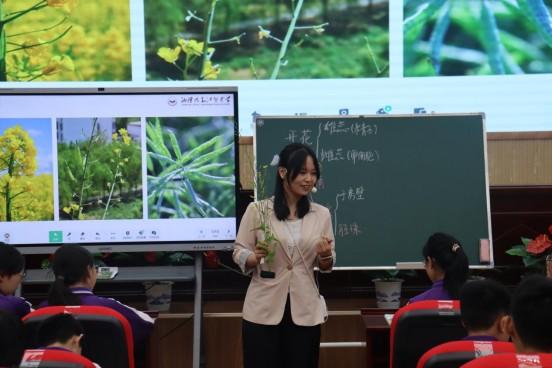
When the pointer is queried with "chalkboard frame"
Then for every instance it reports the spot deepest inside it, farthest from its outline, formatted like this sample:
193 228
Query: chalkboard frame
485 251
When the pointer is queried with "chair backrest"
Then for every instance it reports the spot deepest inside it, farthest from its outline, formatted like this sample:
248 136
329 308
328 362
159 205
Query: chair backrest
455 353
511 360
419 326
107 337
46 358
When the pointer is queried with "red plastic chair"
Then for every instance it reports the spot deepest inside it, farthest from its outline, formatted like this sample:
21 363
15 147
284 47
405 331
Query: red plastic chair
46 358
107 337
512 360
420 326
455 353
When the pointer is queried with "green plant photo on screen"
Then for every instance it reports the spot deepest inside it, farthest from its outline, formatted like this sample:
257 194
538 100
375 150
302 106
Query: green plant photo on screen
259 39
477 37
99 168
191 166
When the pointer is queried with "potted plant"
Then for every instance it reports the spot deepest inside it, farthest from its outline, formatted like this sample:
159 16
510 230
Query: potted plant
388 289
536 253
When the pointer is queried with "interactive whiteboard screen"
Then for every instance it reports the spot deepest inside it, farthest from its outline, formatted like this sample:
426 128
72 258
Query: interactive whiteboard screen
131 169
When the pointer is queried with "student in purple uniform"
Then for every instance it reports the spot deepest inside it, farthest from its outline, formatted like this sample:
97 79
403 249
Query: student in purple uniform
485 309
446 266
64 333
11 340
12 272
75 278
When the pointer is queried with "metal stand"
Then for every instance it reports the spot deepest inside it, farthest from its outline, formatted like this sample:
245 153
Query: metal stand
198 312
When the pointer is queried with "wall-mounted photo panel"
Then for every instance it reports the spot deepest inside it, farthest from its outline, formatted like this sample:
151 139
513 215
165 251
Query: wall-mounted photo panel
65 41
257 39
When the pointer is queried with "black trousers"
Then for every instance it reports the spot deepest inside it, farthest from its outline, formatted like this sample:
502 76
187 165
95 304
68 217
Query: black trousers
285 345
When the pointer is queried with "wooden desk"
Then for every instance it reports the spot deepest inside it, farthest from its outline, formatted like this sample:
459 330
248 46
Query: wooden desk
377 330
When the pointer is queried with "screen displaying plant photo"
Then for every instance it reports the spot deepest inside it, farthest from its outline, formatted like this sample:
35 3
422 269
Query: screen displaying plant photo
65 40
26 181
191 165
256 39
485 37
99 168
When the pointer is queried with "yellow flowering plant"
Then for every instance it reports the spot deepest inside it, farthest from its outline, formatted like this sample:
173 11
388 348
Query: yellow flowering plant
197 54
62 40
269 242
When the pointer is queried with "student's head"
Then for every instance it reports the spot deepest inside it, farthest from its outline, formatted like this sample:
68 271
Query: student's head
445 259
61 330
485 306
531 315
11 340
73 265
12 269
298 172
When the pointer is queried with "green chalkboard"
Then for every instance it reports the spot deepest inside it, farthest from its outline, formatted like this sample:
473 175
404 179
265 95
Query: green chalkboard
390 180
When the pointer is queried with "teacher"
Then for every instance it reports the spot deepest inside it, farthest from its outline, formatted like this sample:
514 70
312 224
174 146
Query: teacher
280 241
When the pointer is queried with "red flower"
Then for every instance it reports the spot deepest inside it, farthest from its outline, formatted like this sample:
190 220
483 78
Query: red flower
539 244
150 257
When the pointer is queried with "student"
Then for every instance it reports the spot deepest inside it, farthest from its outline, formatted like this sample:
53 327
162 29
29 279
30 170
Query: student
446 266
60 332
530 324
282 314
12 272
484 308
11 340
75 278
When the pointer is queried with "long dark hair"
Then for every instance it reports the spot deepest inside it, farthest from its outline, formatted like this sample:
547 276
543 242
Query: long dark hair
70 266
293 158
447 252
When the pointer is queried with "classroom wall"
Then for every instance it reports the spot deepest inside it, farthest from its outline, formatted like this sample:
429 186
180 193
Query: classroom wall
514 159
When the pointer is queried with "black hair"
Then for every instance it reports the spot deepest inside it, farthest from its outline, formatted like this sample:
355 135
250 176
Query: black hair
58 328
11 261
531 307
447 252
11 340
293 158
70 266
482 302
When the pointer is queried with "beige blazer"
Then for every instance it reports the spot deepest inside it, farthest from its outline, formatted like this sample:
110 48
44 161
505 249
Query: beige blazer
266 298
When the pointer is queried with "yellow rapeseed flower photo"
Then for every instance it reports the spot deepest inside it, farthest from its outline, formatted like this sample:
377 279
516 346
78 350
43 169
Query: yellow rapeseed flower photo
191 47
59 63
65 5
210 71
168 54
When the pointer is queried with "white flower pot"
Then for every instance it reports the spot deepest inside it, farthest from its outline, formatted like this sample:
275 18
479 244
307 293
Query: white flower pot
388 293
158 295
